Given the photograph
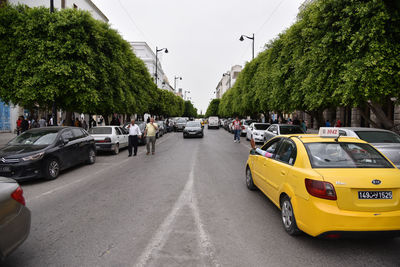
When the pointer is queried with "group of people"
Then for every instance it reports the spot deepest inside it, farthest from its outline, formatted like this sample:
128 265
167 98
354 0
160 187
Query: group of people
149 133
337 124
24 124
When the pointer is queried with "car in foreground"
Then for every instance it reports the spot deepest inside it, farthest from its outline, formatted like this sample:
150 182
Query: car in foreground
328 186
256 131
193 129
44 152
180 125
109 138
15 217
385 141
282 129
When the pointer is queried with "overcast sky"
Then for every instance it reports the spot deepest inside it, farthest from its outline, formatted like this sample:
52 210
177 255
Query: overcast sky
202 36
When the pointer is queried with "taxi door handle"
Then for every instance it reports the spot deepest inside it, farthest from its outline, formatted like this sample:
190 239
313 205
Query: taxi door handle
283 172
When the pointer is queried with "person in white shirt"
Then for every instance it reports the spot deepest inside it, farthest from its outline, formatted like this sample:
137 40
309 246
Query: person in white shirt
134 134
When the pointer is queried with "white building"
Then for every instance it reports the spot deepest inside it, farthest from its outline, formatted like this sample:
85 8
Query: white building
143 51
9 113
228 80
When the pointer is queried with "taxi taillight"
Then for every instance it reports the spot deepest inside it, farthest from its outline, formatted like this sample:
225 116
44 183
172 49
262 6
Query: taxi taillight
320 189
18 195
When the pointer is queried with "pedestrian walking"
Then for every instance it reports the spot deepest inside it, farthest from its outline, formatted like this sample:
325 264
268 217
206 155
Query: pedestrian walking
24 125
327 123
237 127
338 123
84 124
19 121
150 133
133 139
42 122
303 126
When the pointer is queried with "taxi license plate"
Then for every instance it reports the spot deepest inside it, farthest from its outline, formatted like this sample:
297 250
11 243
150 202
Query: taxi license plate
375 195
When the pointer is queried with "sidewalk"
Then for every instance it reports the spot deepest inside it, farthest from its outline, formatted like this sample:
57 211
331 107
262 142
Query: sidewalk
5 137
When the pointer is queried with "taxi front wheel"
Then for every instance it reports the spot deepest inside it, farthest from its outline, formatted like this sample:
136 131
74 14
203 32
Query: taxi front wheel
249 180
288 219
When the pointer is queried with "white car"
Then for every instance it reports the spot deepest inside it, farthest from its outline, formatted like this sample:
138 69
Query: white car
110 138
245 125
213 122
256 131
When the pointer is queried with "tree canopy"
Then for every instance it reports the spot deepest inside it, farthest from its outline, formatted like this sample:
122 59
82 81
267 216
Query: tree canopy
213 108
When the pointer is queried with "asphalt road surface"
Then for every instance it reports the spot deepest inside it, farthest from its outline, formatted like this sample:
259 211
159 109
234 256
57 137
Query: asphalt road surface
187 205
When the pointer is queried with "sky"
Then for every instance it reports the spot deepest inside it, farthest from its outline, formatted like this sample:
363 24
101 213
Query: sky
202 37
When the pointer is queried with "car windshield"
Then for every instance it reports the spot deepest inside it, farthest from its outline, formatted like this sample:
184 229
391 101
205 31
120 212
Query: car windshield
193 124
345 155
290 129
181 121
37 138
100 130
378 136
261 126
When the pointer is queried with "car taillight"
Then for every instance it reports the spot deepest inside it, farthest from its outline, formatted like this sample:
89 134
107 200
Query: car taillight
320 189
243 127
18 195
106 140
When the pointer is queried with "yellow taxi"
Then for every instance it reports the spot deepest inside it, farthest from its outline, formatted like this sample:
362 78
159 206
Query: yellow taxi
326 185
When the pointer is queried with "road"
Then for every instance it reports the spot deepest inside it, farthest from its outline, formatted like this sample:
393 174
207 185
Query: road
188 205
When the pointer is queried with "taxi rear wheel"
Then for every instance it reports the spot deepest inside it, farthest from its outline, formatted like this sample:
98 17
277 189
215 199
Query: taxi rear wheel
249 180
288 219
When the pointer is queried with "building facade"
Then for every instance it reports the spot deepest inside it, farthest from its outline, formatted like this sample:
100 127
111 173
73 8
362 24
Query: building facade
228 80
8 112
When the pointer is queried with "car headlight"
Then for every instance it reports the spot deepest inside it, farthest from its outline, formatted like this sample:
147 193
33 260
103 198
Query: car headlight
34 157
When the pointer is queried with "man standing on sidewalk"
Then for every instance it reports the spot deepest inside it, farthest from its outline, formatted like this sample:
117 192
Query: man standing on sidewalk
150 133
134 134
237 128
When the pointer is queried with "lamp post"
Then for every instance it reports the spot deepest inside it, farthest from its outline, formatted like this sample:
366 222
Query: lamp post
54 107
158 50
228 74
176 78
248 37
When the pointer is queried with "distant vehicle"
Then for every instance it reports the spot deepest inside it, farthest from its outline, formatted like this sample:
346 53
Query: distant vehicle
245 125
44 152
281 129
327 186
142 127
193 129
15 217
256 131
180 125
213 122
385 141
109 138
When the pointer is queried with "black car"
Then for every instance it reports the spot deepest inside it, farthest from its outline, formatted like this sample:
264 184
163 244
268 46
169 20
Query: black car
44 152
193 129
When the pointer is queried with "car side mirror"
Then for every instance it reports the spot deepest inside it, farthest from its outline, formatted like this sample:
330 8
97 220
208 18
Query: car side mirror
253 152
275 132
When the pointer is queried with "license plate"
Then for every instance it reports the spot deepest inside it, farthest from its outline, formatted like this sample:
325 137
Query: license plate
375 195
5 169
192 133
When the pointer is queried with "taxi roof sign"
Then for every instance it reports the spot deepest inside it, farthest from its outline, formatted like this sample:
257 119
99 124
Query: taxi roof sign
329 132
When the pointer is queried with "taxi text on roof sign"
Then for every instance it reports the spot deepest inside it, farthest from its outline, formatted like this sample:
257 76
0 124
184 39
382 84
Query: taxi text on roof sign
328 132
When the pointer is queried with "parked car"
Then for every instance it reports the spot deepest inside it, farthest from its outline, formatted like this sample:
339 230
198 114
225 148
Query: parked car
44 152
193 129
213 122
142 127
385 141
109 138
282 129
256 131
180 125
245 125
15 217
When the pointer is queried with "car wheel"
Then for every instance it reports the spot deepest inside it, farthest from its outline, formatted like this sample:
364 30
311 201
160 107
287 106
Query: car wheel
52 169
91 156
116 149
288 219
249 180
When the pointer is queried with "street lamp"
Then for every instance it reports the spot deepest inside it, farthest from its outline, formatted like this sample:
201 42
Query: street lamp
176 78
248 37
158 50
228 74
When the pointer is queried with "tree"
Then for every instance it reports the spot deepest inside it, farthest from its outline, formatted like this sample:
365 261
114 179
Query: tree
190 110
213 108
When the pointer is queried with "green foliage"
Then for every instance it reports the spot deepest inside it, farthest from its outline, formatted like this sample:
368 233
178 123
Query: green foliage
338 53
167 104
213 108
190 110
69 57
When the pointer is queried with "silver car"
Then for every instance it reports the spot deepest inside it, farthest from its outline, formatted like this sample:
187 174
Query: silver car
281 129
15 218
109 138
385 141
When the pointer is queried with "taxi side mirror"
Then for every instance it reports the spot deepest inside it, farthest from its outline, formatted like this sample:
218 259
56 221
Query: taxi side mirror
253 152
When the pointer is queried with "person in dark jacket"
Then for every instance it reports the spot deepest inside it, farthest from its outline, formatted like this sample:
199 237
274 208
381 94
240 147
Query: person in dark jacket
24 125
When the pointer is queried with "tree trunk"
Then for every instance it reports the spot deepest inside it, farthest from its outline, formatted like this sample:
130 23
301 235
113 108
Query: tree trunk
376 108
68 119
368 119
106 120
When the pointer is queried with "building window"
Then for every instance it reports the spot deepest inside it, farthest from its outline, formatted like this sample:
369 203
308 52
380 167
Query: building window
63 4
75 6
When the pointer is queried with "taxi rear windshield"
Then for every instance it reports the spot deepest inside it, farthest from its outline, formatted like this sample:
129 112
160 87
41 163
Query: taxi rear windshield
345 155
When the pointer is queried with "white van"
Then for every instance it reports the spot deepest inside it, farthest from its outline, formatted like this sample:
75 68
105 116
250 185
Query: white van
213 122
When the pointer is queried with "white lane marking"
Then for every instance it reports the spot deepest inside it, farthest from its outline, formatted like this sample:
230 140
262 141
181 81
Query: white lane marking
186 198
86 178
